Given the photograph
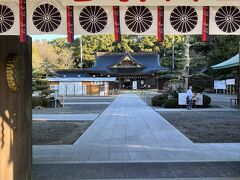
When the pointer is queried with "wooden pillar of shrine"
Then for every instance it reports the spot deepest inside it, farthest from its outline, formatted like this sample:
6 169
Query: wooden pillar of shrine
238 79
15 108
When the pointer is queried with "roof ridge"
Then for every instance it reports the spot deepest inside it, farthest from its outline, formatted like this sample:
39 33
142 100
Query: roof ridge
123 53
122 58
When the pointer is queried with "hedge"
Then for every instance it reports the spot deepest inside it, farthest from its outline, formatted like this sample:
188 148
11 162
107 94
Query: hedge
40 101
171 103
206 101
158 100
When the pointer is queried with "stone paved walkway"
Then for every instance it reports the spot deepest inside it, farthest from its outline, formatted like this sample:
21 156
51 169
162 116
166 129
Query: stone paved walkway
84 103
131 131
64 117
163 171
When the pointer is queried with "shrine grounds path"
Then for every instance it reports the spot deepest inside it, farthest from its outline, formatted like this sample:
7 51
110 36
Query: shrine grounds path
131 131
131 140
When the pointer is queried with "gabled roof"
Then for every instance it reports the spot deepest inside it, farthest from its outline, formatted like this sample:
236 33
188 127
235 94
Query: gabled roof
149 62
82 79
232 62
125 58
71 73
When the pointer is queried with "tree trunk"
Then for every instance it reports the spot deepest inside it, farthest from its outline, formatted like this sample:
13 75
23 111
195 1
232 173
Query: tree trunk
187 63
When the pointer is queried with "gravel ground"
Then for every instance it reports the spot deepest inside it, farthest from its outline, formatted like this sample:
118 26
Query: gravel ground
52 133
207 127
74 109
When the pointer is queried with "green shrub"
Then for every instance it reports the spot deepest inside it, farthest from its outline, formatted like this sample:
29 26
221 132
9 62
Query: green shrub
206 101
158 100
36 101
46 102
175 94
171 103
40 101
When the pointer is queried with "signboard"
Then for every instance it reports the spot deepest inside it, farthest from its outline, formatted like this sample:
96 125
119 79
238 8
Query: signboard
220 84
182 98
230 82
196 96
134 85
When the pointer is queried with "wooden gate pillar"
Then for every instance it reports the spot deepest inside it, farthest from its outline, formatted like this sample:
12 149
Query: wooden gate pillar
15 108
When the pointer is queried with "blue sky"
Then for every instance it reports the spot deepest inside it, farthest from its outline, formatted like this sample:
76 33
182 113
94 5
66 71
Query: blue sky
48 37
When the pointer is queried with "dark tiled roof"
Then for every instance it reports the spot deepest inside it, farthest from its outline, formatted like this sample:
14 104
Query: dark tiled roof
150 63
72 73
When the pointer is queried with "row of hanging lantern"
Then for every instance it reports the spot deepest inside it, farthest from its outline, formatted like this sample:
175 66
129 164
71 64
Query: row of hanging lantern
38 17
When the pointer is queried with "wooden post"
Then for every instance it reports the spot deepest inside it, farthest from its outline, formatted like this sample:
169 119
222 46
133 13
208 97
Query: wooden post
238 77
63 101
15 108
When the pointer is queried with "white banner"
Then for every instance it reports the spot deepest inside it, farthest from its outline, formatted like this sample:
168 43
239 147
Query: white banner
225 20
220 84
143 3
92 20
9 18
50 17
138 20
151 2
182 20
46 17
230 81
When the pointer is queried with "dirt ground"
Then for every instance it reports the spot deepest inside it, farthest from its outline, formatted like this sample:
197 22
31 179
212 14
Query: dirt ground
207 127
52 133
74 109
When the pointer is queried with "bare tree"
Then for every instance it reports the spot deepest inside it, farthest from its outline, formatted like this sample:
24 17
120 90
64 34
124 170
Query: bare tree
48 59
65 59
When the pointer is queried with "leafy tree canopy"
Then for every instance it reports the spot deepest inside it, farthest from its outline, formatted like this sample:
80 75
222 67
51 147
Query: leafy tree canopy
58 54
